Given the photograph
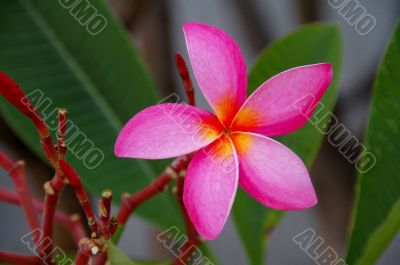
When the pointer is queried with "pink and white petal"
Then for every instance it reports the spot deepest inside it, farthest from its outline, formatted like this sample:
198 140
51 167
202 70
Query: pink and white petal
219 68
167 130
285 102
272 173
210 187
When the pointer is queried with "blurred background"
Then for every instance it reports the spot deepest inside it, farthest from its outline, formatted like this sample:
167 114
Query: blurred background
155 29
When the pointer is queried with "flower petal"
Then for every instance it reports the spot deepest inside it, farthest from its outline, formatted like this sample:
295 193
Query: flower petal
285 102
167 130
272 173
210 187
219 68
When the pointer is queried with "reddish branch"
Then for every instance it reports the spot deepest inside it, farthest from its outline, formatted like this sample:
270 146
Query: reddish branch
187 82
131 202
53 188
194 238
50 203
80 192
18 259
104 212
14 94
95 246
16 171
62 128
86 249
73 225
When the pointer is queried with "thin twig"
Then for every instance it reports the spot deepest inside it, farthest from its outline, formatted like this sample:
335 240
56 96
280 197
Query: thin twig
104 212
53 188
87 248
194 239
16 171
130 202
75 227
81 194
62 128
187 82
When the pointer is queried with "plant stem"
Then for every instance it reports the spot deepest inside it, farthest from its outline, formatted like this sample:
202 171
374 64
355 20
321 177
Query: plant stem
74 226
130 202
81 194
16 171
81 259
194 239
187 82
10 90
18 259
62 127
53 188
104 212
50 203
86 249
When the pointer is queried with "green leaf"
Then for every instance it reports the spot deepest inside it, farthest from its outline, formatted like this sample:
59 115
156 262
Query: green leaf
310 44
117 257
98 78
376 216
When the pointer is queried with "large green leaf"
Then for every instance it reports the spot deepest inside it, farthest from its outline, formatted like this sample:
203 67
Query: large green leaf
98 78
376 217
310 44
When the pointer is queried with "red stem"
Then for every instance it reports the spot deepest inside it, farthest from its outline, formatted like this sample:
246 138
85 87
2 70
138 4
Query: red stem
50 203
53 188
16 171
86 249
113 224
187 82
62 127
14 94
104 212
18 259
75 227
81 259
81 194
194 240
130 202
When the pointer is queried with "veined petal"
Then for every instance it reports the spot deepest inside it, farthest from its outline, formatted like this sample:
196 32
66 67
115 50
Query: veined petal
167 130
219 68
285 102
210 187
272 173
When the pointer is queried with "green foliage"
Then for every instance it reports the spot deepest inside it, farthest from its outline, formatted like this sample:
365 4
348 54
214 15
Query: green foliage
98 78
315 43
376 217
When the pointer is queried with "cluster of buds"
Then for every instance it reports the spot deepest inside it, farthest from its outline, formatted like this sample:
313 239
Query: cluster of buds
64 174
106 227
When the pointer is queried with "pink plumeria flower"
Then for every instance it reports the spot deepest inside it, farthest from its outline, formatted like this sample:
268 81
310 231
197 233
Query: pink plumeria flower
233 145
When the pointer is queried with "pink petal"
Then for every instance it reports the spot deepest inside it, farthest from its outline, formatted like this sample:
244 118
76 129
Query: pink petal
167 130
219 68
210 187
272 173
285 102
